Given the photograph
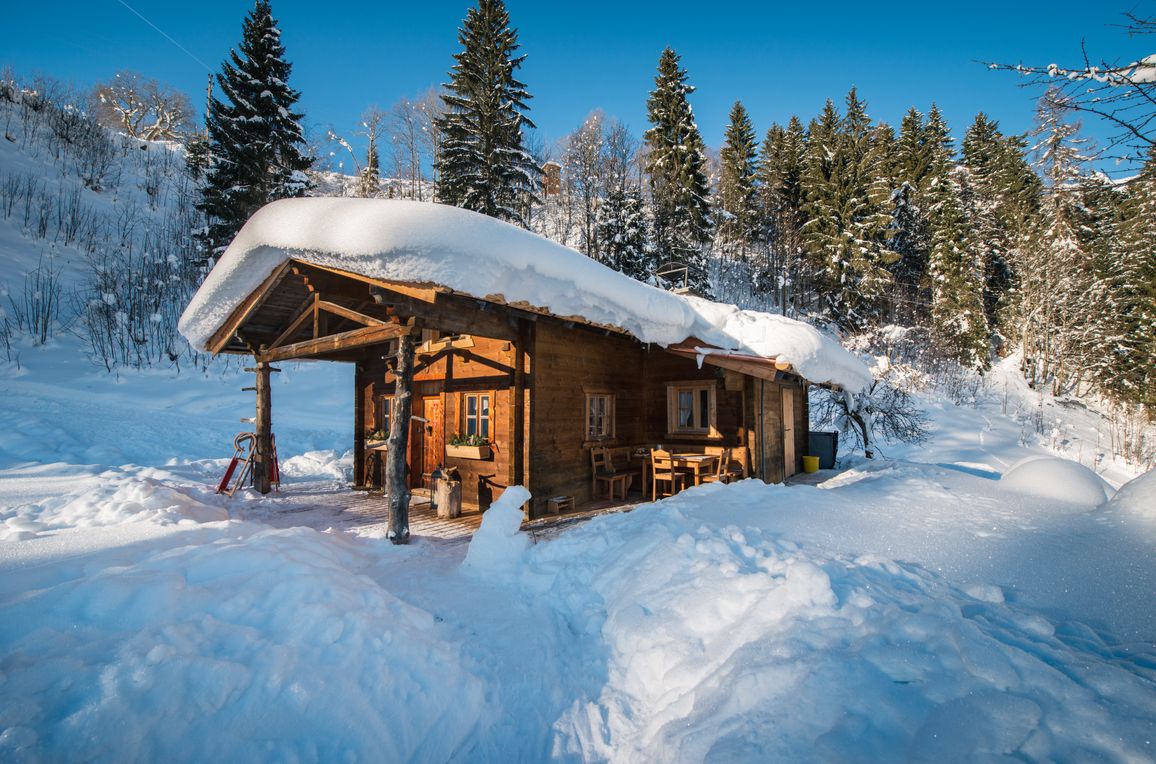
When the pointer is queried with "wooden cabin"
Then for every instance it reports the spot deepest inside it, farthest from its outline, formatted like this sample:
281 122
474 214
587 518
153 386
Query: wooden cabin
540 389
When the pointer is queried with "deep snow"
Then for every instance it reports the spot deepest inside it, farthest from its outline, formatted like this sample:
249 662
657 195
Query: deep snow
912 607
915 607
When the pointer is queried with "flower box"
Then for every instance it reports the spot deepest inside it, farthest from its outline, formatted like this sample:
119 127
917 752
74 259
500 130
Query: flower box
468 452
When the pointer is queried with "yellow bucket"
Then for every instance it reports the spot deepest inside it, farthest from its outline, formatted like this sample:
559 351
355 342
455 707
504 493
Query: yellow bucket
810 464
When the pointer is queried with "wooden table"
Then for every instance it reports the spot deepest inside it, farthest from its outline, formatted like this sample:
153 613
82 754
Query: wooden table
374 456
695 465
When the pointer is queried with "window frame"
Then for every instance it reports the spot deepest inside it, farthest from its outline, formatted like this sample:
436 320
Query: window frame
384 413
609 417
465 416
697 428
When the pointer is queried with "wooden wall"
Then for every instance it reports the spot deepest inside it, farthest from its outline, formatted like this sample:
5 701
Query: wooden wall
487 367
574 361
571 362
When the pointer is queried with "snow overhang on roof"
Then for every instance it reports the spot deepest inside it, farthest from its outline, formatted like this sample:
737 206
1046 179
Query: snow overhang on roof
469 253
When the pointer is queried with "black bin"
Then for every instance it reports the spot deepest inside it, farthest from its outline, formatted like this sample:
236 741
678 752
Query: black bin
824 445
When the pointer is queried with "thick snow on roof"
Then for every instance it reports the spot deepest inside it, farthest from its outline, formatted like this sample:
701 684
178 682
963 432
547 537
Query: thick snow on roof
470 253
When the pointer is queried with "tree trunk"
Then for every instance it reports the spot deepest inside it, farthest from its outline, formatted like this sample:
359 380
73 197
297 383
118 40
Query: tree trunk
396 480
263 458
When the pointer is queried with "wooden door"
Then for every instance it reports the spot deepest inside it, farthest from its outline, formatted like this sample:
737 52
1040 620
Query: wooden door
433 436
788 431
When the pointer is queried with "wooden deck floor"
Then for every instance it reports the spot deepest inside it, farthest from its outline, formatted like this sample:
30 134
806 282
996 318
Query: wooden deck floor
329 504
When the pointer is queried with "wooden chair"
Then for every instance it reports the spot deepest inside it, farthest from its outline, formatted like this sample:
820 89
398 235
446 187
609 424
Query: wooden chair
741 461
603 472
727 469
662 471
624 462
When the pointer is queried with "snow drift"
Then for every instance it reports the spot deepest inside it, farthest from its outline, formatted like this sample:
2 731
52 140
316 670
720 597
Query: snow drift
1137 498
1052 477
262 646
420 242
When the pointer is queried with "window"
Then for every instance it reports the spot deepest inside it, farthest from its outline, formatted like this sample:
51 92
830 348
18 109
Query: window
690 408
599 416
384 415
477 415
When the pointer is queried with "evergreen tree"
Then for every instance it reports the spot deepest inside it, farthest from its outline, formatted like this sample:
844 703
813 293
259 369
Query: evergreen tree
735 205
913 150
369 179
848 200
782 159
256 144
483 164
995 170
1127 366
820 183
1055 268
622 233
910 234
958 320
909 237
676 168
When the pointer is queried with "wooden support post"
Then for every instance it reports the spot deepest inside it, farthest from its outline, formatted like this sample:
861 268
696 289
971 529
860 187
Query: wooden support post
359 476
396 481
518 463
263 456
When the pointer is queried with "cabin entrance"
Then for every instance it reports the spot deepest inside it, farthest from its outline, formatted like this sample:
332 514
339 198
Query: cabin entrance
431 445
788 432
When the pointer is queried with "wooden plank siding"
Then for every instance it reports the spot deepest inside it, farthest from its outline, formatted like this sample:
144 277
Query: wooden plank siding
449 374
572 362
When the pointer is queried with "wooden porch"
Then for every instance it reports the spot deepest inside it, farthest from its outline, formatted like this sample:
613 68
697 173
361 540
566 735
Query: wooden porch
326 504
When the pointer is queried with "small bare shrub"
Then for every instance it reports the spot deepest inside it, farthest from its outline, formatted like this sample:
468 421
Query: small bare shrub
36 311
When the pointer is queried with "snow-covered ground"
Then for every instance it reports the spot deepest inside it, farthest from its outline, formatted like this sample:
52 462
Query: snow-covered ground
917 606
948 602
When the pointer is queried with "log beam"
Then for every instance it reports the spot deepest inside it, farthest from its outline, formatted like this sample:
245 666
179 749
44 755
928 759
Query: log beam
356 338
352 315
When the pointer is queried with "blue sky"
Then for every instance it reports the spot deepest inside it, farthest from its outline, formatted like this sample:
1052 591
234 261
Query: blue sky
778 59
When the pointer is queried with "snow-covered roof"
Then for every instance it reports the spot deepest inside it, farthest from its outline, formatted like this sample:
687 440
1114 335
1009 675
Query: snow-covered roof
421 242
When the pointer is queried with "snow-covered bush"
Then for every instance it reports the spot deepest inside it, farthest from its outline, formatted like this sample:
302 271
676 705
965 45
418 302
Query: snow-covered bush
887 411
36 310
128 311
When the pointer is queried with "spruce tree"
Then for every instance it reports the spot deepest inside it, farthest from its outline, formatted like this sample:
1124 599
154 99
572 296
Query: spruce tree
958 319
848 200
483 164
369 179
622 233
990 162
780 176
1054 271
1127 366
820 198
910 235
676 168
256 143
735 203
